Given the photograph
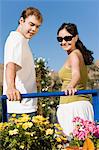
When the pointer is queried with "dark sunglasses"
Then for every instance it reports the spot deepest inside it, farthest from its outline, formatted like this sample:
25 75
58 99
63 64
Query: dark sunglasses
66 38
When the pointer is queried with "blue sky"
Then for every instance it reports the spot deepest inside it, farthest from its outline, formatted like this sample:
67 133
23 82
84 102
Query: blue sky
84 13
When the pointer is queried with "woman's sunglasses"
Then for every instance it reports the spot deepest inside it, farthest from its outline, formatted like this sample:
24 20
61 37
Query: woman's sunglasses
66 38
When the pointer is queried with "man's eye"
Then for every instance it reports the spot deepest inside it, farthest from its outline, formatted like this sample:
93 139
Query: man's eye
37 26
32 24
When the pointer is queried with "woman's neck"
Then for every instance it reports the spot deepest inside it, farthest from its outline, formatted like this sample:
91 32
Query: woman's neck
70 51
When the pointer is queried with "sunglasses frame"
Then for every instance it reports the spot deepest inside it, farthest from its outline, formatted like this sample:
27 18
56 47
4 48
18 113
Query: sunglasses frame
66 38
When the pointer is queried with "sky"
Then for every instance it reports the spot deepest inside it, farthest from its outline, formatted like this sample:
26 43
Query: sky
84 13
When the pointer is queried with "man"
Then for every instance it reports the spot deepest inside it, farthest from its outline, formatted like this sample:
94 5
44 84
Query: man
19 71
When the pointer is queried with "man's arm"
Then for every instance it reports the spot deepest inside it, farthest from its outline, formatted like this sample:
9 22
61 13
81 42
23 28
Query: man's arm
12 93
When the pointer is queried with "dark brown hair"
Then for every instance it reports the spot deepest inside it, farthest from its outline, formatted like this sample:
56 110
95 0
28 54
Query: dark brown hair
72 29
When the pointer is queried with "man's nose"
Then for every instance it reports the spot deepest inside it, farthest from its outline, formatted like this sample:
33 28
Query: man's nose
34 28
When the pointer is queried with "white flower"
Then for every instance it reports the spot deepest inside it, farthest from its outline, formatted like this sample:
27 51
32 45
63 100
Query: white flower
44 59
39 59
43 105
49 74
51 102
37 66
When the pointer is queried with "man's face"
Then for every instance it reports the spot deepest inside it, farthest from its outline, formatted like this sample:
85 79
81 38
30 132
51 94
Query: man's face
29 26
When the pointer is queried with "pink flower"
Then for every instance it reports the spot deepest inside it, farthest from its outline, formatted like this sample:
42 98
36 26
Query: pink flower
84 128
96 132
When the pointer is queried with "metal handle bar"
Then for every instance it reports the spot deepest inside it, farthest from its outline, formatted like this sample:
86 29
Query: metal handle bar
49 94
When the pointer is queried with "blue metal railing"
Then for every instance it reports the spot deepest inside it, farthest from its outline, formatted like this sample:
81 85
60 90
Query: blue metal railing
95 100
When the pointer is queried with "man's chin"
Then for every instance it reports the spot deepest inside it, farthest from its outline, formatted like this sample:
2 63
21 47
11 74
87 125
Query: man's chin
29 37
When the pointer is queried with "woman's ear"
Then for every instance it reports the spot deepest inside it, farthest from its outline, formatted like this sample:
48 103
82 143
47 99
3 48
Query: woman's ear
76 38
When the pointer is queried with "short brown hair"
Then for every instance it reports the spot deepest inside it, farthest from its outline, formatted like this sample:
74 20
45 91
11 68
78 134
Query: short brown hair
32 11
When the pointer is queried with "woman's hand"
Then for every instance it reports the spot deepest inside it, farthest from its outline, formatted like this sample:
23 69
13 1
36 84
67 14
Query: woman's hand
70 90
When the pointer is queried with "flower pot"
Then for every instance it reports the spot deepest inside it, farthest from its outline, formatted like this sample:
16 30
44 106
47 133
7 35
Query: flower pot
73 148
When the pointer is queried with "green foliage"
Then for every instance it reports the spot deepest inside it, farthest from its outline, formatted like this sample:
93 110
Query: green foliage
45 83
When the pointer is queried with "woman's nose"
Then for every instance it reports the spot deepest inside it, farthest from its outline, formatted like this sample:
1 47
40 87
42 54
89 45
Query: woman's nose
63 41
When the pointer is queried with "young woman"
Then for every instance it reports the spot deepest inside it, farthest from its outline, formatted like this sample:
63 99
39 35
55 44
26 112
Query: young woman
74 77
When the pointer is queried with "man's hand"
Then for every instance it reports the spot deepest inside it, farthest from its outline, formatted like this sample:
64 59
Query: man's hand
13 94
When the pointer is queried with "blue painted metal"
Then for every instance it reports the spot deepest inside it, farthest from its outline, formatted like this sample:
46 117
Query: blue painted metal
94 92
4 110
95 102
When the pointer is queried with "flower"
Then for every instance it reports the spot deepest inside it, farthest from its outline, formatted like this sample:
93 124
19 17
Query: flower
84 130
30 133
49 131
13 132
27 125
58 139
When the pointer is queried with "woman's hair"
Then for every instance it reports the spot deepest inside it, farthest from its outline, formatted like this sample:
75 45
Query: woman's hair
32 11
72 29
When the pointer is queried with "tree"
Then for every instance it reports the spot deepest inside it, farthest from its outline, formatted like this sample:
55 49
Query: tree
46 82
93 72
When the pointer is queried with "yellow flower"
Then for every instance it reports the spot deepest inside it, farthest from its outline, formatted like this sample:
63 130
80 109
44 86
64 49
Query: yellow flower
18 124
46 122
56 125
13 132
49 131
63 138
4 125
22 146
13 119
59 128
24 118
13 115
27 125
1 126
57 132
38 118
25 115
58 139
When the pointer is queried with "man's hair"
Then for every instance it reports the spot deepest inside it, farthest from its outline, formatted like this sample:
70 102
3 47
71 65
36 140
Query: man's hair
32 11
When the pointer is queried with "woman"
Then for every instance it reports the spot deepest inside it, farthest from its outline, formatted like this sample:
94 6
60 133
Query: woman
74 77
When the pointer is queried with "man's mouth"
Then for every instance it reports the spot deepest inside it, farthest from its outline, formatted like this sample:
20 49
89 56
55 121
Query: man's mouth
31 33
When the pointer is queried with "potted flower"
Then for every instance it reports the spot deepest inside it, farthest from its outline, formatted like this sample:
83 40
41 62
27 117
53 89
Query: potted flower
85 135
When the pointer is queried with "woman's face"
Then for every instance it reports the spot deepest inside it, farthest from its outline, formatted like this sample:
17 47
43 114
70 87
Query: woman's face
66 40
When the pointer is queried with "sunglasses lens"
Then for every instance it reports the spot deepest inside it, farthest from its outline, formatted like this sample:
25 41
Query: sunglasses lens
59 39
68 38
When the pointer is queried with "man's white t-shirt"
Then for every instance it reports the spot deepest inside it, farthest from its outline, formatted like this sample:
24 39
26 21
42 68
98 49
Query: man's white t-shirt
18 51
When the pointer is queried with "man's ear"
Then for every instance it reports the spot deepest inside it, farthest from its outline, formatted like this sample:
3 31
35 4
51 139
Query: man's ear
21 21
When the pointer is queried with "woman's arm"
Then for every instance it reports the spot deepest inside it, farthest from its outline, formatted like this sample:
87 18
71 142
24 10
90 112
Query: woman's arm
74 62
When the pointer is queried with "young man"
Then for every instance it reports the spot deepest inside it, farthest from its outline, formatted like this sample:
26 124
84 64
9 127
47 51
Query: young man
19 71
